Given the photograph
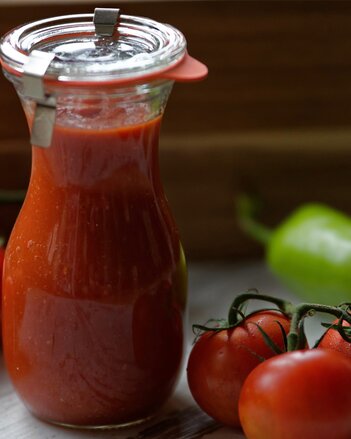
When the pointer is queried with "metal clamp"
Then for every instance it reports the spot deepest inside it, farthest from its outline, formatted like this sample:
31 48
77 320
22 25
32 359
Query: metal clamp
105 21
33 87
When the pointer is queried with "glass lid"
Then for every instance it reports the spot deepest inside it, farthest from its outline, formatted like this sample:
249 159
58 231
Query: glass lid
137 47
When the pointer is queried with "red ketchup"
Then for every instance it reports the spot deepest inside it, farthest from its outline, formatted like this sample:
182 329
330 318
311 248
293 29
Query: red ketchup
94 281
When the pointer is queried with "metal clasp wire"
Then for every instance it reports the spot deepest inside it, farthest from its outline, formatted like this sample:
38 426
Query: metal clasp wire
33 87
105 21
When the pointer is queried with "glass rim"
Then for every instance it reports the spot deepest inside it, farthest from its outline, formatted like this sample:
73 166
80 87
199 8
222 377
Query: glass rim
166 47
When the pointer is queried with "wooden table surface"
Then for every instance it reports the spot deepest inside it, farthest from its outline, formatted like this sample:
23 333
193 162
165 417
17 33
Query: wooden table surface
211 290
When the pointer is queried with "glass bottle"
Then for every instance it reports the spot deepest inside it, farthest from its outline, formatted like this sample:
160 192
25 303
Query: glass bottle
94 286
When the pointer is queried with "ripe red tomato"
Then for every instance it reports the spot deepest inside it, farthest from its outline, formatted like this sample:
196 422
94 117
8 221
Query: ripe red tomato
220 361
333 340
300 394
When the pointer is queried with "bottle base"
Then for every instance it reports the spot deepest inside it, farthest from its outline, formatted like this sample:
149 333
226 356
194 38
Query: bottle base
101 427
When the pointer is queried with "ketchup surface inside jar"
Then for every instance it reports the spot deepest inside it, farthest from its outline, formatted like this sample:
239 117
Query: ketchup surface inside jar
94 280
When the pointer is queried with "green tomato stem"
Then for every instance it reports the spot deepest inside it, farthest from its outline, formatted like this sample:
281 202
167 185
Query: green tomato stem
301 311
233 316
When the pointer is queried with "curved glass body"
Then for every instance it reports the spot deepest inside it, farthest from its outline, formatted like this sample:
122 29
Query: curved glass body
94 277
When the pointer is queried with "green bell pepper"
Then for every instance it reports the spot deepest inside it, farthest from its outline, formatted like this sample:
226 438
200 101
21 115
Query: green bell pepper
310 252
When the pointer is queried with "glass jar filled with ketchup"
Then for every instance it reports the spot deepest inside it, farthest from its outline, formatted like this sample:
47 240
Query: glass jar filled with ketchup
94 285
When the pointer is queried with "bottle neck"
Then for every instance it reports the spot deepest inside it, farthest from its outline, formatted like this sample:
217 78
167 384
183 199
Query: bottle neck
100 160
103 139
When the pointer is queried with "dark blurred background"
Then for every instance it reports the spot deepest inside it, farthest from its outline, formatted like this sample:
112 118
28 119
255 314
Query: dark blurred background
273 117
